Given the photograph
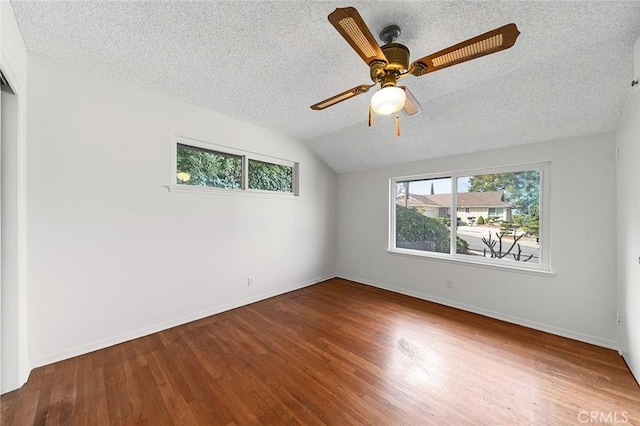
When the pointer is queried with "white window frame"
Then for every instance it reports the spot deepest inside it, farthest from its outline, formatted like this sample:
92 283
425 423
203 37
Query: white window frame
541 268
174 186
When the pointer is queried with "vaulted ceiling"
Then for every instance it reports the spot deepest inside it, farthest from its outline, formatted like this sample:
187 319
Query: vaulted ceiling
266 62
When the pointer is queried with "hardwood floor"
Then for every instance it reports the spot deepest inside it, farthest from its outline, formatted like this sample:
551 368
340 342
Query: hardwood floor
334 353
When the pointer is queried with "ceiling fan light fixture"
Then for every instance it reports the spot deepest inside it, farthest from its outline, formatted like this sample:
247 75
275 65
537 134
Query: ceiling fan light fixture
388 64
388 100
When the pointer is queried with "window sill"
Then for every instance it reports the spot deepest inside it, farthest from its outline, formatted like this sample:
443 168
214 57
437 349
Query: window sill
458 260
232 192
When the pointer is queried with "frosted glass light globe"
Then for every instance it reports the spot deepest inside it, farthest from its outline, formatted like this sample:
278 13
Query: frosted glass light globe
388 100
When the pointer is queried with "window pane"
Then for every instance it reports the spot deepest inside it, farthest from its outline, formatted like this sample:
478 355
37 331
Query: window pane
202 167
500 219
423 215
270 177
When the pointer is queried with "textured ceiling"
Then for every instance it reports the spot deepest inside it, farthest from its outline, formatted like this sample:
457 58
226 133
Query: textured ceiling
267 62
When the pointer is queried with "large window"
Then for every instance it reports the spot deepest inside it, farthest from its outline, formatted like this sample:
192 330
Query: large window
204 166
501 216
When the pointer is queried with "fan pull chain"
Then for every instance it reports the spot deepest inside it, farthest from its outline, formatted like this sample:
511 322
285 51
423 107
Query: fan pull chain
397 121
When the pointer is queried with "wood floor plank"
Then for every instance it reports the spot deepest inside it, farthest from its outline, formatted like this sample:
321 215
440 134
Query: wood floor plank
334 353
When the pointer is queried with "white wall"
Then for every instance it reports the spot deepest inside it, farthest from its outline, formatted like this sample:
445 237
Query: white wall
628 142
578 302
14 367
113 254
9 347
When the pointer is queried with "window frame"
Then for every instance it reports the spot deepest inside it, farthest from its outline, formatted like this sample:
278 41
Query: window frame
541 268
245 156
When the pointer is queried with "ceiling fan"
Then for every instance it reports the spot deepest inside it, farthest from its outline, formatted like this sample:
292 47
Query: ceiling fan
388 64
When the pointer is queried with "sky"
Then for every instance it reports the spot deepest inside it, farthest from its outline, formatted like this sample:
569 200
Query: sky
440 186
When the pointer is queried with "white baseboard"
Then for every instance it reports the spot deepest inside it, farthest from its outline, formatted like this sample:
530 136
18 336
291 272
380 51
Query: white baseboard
145 331
327 277
594 340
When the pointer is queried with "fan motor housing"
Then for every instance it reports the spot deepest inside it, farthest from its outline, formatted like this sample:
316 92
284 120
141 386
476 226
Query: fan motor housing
397 55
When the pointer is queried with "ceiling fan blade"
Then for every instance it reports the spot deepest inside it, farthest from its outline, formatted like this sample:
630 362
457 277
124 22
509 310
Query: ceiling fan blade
350 25
491 42
347 94
411 104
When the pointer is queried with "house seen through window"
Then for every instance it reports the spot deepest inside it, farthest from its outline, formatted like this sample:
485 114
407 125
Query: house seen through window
498 216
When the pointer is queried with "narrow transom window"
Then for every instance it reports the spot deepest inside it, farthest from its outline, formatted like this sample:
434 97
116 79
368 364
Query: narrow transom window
202 166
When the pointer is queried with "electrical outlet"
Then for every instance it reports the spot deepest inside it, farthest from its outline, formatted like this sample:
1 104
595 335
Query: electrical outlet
449 283
619 319
249 281
618 155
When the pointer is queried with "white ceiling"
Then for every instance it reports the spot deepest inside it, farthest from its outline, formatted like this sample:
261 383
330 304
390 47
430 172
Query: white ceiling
266 62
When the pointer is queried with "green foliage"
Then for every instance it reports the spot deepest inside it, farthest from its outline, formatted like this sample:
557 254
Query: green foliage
480 220
412 226
462 247
506 228
270 177
444 220
209 168
219 170
521 189
529 224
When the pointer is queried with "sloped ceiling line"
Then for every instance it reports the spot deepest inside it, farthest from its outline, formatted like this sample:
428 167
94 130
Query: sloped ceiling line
267 62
